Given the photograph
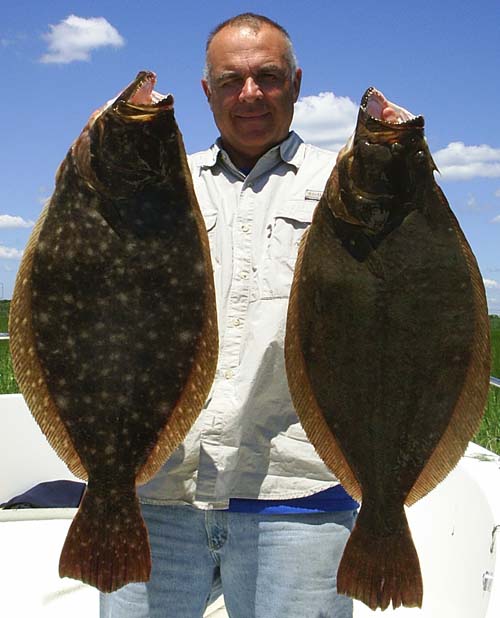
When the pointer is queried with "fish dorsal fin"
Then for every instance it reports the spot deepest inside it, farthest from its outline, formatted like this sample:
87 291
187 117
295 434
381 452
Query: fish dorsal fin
28 371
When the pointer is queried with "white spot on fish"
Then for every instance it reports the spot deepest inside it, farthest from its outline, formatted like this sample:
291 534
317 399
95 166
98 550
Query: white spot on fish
62 401
185 336
44 318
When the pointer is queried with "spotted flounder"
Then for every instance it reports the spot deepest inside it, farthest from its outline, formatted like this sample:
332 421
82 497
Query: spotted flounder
387 343
113 328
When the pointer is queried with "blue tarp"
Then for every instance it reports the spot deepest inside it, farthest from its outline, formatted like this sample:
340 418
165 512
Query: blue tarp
51 494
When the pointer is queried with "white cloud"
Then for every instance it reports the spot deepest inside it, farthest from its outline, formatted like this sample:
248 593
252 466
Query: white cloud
74 38
497 193
460 162
325 120
7 253
496 219
491 284
8 221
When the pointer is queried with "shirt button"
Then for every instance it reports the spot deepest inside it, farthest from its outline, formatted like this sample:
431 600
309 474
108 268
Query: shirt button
243 275
236 322
245 227
228 374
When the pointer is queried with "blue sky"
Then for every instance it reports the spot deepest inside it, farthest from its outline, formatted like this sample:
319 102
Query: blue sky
61 60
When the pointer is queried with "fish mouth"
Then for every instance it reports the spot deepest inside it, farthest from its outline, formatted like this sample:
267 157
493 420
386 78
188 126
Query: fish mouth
376 170
378 108
140 99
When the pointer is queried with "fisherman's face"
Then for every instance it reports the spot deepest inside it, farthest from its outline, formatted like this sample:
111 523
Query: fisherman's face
251 90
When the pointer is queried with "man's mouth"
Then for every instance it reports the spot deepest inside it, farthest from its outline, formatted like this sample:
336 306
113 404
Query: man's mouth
252 115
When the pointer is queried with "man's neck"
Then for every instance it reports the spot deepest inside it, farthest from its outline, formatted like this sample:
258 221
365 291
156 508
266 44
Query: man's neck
244 161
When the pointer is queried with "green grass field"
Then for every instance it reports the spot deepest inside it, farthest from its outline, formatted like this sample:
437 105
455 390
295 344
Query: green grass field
487 436
7 381
489 432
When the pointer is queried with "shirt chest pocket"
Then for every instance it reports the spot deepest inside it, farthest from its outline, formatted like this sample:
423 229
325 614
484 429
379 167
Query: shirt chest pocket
284 233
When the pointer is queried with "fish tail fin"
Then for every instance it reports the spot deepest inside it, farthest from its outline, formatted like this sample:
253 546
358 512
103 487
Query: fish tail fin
107 545
378 570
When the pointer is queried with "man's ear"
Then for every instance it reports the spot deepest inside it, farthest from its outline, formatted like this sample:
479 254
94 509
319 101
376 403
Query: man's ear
296 84
206 89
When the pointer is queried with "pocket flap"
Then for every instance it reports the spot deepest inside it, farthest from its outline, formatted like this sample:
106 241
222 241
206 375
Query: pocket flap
298 210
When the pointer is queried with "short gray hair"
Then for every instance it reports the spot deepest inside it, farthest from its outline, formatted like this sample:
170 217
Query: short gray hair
255 23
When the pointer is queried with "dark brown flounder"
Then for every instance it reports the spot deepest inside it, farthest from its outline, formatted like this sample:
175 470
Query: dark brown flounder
113 329
387 345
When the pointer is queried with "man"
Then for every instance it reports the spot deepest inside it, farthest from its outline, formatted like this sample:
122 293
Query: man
245 506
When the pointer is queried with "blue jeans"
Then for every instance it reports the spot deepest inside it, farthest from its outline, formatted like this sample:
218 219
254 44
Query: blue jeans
267 566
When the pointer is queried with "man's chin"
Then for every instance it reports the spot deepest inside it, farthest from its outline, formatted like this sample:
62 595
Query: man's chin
256 134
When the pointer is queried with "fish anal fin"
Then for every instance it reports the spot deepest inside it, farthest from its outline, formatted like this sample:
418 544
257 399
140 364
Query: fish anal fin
107 545
304 401
381 569
469 408
27 367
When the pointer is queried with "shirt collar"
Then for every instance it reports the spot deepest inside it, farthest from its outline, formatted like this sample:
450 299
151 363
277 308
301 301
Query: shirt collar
291 150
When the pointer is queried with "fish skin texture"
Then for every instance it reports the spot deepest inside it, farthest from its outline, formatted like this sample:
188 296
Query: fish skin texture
113 323
387 345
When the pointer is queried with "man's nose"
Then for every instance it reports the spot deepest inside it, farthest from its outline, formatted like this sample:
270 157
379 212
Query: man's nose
250 91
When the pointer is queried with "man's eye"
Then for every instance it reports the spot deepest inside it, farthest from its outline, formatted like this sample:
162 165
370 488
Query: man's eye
232 82
269 78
